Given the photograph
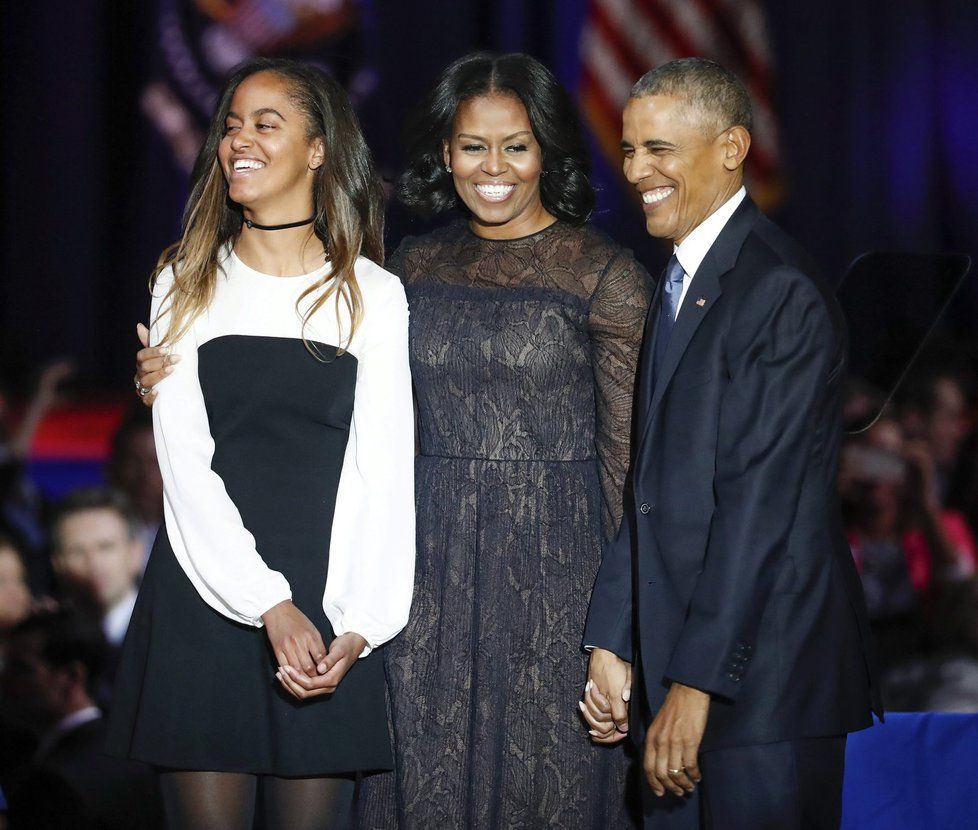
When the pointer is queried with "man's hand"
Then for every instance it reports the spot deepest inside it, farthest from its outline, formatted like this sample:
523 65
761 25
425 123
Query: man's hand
672 743
605 703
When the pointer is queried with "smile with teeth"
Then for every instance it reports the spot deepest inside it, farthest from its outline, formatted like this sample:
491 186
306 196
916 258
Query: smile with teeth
495 192
247 164
656 195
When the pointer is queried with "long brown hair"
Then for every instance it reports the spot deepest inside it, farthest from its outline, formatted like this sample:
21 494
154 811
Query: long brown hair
347 197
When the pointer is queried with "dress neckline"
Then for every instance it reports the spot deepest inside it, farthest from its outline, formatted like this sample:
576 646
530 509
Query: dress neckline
243 266
474 235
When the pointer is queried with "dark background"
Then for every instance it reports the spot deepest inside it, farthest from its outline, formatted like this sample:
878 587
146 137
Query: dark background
877 100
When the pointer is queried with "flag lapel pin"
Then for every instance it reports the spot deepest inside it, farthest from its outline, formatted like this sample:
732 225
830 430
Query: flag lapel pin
701 302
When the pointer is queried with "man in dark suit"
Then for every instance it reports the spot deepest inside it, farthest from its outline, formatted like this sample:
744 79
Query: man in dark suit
728 609
53 661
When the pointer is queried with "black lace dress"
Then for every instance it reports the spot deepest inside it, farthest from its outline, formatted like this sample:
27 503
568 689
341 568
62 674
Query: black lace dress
523 355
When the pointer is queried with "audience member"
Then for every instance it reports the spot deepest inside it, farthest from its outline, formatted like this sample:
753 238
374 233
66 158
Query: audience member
906 545
54 659
97 555
133 470
933 407
17 743
20 500
15 594
963 483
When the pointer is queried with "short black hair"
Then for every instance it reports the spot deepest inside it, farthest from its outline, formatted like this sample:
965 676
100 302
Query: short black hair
67 636
95 498
713 93
565 187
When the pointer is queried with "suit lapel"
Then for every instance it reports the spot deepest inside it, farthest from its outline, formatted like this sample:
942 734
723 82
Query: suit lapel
646 359
704 291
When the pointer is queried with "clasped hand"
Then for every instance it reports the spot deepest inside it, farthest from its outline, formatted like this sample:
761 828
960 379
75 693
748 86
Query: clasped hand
673 740
306 668
605 702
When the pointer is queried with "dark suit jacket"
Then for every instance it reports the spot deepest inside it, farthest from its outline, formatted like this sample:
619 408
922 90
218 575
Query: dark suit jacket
77 785
731 572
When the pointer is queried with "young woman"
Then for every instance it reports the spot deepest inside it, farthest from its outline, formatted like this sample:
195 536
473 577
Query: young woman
525 331
285 440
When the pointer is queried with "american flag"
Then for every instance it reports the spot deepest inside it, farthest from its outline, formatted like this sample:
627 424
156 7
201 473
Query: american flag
623 39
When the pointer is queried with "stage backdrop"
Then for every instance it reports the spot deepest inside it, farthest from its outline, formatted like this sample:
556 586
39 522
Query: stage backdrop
865 140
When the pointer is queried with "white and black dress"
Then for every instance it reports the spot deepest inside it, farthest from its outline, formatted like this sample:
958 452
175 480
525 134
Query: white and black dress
285 476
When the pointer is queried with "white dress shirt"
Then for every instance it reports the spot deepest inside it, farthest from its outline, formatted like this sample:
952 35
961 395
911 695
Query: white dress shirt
694 247
62 728
370 578
116 619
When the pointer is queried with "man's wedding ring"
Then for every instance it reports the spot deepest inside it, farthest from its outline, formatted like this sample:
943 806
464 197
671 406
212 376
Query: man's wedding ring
676 771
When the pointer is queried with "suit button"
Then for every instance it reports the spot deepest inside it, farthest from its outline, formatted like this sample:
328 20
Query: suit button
646 507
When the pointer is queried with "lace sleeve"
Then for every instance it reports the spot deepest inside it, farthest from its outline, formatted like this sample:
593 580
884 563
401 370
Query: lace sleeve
616 320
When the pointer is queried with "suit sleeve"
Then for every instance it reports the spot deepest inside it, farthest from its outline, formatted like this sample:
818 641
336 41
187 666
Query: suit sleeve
203 525
782 349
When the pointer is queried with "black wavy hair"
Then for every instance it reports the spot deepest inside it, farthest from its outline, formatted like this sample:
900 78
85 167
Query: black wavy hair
565 189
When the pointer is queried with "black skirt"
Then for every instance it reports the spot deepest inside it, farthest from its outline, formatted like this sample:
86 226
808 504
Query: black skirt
196 690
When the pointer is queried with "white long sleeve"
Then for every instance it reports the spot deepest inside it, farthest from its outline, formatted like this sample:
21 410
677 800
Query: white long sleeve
204 527
371 553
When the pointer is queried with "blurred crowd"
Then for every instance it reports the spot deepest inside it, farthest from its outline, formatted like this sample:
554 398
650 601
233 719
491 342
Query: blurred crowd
70 570
69 573
909 488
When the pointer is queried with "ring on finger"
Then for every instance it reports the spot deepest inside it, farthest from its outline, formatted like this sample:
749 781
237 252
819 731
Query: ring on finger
676 771
142 390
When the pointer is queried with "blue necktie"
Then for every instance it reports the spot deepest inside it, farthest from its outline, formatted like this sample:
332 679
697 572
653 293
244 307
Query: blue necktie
672 290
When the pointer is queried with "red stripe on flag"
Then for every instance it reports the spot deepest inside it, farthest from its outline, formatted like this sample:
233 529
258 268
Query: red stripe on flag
745 62
612 34
663 20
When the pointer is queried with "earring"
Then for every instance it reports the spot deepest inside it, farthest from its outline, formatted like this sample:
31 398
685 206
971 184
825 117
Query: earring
448 168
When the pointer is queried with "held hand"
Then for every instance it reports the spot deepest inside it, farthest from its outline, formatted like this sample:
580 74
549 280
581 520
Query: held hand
605 703
672 743
294 639
152 365
344 652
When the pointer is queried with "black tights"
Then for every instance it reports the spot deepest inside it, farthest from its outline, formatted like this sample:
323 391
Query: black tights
197 800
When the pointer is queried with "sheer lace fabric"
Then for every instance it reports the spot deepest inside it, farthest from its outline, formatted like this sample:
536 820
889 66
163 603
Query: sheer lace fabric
523 356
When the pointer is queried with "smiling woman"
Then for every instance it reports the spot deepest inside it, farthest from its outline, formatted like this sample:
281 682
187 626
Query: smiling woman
496 163
525 329
285 440
265 167
535 128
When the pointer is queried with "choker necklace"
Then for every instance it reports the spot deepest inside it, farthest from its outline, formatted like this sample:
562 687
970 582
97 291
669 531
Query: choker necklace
251 224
